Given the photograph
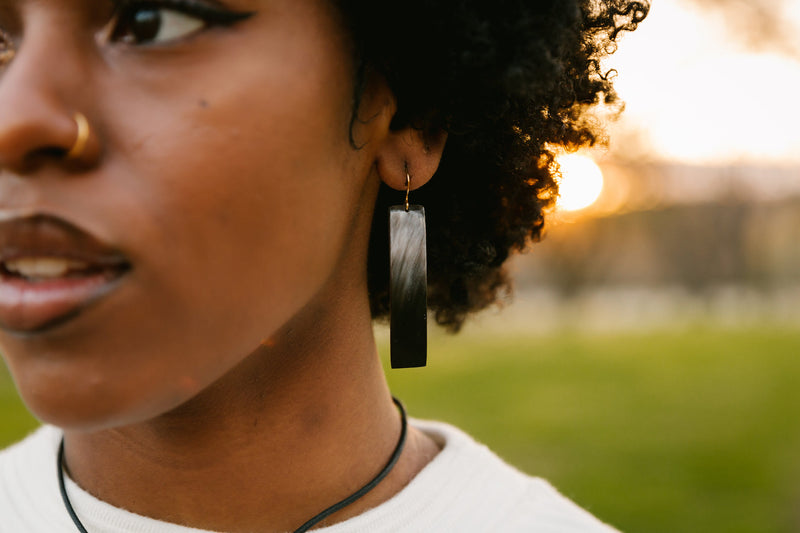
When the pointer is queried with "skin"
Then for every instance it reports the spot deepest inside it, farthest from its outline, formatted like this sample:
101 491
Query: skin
231 381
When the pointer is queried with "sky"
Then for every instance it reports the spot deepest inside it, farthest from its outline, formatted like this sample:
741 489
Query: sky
711 82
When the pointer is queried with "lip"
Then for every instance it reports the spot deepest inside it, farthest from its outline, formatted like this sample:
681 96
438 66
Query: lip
38 305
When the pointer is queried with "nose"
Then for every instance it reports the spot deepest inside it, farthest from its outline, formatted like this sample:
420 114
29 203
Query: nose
38 125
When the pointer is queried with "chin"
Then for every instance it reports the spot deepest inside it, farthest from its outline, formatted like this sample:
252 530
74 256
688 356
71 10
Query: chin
89 409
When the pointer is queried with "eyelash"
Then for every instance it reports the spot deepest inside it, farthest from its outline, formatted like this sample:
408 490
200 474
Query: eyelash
210 15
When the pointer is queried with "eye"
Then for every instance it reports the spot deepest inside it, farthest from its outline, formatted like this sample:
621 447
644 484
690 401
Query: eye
152 25
139 22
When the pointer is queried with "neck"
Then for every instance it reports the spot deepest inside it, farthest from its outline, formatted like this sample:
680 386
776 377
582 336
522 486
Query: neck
303 422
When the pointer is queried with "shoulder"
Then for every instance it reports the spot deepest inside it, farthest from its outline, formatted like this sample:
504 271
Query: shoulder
29 497
467 488
508 499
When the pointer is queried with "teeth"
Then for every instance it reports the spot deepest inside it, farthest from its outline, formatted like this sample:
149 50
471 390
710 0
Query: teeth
43 267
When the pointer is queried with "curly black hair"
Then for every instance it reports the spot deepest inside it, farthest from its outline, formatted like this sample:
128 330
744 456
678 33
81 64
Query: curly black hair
511 81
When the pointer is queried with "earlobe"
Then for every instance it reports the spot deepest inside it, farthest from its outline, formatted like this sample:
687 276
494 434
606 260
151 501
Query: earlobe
410 150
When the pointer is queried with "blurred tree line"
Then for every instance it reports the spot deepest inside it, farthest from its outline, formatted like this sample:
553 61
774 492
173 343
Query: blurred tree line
694 246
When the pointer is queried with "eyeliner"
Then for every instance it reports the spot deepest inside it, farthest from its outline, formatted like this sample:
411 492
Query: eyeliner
211 13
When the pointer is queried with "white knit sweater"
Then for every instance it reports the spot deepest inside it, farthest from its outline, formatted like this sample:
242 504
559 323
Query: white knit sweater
465 489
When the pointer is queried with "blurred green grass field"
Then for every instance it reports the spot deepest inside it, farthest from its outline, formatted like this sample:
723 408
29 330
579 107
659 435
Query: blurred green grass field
693 431
696 431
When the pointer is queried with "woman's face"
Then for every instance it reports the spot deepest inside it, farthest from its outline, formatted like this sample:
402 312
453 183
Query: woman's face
219 169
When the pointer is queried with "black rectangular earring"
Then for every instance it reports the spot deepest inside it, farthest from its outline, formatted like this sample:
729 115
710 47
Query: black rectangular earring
408 284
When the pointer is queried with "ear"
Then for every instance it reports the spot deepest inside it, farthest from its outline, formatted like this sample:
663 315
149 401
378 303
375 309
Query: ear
411 150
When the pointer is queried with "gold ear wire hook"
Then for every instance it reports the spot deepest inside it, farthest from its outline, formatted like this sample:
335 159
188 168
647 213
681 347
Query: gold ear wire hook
408 186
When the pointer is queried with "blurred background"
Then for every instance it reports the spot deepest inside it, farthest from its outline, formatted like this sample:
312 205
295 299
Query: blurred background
649 361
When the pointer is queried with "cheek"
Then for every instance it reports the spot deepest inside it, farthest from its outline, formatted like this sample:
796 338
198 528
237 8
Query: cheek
257 217
254 183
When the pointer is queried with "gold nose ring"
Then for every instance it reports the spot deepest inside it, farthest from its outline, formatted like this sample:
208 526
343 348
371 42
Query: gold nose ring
82 137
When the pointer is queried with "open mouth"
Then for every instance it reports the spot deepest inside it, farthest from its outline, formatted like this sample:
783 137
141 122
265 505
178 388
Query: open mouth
37 270
50 271
39 293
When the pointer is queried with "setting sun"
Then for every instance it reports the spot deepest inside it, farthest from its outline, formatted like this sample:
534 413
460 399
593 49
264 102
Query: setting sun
581 182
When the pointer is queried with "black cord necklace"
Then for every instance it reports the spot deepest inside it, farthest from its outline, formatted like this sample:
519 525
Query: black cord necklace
305 527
